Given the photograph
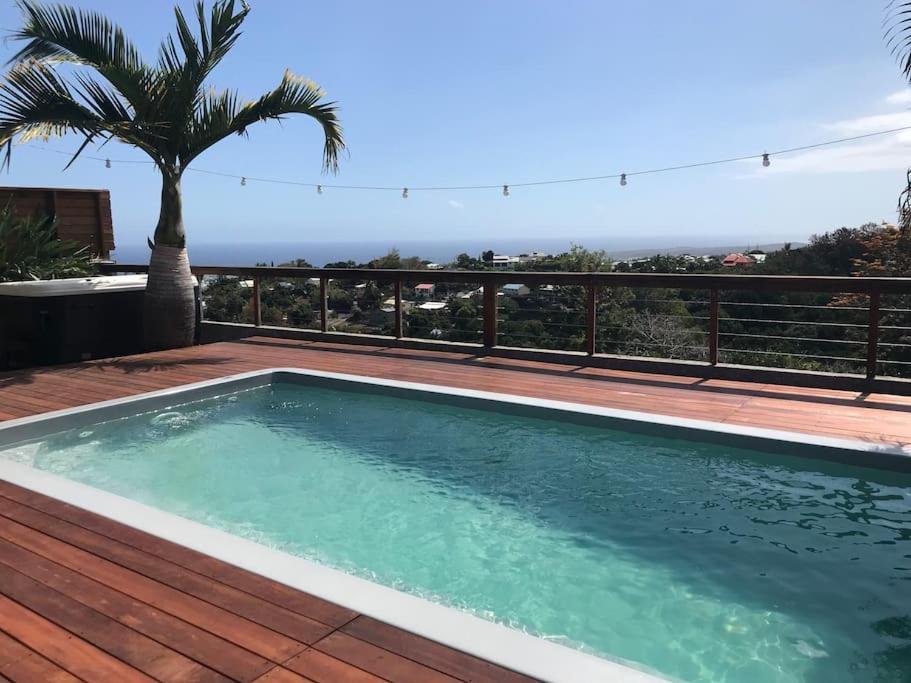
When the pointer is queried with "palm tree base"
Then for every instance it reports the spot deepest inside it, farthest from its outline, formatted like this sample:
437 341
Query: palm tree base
169 315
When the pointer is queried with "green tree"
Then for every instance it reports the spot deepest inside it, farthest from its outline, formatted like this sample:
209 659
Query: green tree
164 109
392 260
466 262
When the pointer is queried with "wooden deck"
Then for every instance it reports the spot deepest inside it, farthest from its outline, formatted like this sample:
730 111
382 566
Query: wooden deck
86 598
872 417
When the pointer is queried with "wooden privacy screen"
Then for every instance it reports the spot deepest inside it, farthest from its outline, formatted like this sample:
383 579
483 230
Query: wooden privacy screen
83 216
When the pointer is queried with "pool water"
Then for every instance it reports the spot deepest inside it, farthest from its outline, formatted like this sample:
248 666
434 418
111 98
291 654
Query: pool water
702 562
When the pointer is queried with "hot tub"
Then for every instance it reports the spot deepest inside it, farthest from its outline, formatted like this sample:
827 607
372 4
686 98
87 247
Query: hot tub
44 322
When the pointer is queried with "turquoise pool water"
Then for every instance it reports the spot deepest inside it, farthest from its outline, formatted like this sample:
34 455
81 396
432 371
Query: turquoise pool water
703 562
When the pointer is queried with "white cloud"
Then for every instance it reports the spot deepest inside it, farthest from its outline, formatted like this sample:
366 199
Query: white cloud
891 152
870 124
887 152
455 204
900 97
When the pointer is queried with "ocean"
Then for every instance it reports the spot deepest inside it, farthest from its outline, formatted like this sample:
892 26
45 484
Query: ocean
439 251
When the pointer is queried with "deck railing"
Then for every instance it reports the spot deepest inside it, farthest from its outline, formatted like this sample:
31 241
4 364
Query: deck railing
709 320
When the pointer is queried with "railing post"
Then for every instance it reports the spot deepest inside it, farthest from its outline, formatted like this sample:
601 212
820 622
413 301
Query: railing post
257 304
323 304
398 310
490 313
591 318
713 326
873 334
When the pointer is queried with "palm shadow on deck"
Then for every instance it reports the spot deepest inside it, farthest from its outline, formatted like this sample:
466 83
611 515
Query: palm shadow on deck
128 365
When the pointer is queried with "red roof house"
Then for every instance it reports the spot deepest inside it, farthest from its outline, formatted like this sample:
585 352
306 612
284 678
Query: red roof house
734 260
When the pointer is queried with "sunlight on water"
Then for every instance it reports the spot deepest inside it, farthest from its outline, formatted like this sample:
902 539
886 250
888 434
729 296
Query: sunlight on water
702 562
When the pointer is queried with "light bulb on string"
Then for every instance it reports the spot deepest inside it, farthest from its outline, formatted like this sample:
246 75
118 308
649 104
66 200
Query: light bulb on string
623 180
243 181
765 159
506 190
107 163
404 193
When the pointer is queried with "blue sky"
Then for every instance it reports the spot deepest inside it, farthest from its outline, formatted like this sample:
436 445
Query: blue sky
476 92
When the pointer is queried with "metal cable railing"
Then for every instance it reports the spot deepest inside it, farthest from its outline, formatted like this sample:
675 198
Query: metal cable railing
863 323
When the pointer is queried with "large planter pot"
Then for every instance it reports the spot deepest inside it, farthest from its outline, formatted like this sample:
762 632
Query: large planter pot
169 316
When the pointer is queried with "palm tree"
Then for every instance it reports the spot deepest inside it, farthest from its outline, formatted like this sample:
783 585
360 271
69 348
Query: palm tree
898 39
162 108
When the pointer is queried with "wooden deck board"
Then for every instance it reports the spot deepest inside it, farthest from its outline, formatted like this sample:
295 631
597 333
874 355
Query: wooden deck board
823 411
83 597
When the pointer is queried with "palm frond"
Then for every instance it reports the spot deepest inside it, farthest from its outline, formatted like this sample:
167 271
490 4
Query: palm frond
185 61
58 32
898 33
35 102
222 114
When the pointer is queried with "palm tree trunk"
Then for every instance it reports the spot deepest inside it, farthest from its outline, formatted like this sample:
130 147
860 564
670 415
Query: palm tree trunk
169 315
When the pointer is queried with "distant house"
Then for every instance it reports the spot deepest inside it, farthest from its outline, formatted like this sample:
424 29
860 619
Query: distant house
757 255
432 306
471 293
390 303
547 291
434 266
360 289
516 290
737 260
423 291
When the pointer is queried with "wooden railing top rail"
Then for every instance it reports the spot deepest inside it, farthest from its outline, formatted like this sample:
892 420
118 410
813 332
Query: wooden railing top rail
787 283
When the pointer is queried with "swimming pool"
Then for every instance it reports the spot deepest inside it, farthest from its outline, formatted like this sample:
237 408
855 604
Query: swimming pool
702 560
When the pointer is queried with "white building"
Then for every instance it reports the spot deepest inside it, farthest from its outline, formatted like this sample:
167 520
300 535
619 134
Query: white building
423 291
516 290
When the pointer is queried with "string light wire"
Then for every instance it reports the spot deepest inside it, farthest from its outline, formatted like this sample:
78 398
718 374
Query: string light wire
763 157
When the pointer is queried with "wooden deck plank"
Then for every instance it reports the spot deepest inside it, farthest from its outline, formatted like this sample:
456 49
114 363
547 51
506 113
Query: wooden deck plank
440 657
258 639
73 654
216 653
253 584
281 675
119 641
19 663
295 626
322 668
378 661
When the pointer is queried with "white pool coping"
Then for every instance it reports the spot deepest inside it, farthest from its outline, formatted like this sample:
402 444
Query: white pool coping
499 644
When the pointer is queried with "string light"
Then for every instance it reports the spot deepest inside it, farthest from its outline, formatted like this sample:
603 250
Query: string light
404 193
622 176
